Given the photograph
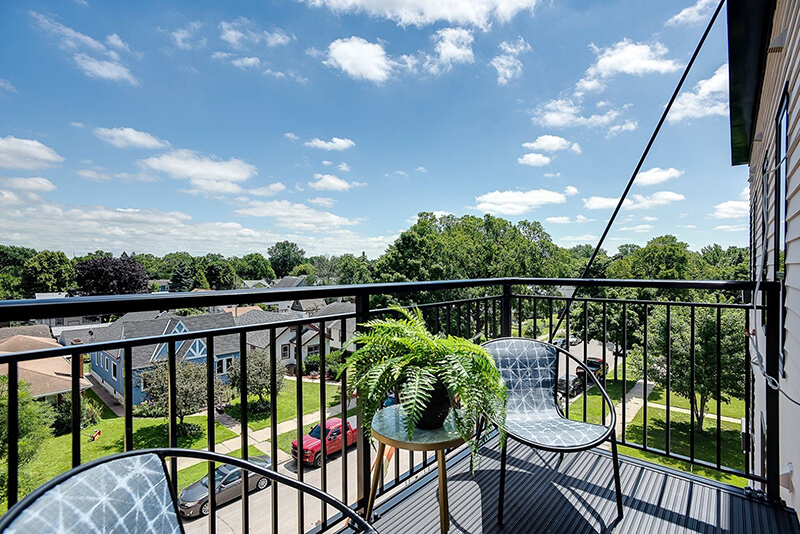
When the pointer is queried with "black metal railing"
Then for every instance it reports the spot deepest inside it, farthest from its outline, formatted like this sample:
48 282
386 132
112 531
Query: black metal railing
492 308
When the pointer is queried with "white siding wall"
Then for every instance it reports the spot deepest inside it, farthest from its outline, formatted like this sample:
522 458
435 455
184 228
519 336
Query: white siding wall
781 73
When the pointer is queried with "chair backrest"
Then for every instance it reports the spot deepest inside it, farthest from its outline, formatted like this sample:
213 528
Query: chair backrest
529 369
128 494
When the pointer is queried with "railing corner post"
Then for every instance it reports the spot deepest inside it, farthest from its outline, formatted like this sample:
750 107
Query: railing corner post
773 312
505 311
362 443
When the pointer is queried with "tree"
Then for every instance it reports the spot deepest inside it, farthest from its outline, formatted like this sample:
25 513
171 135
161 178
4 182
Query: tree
285 256
253 266
732 355
12 259
111 276
91 413
220 274
325 269
182 277
353 270
92 255
190 379
258 374
46 272
154 265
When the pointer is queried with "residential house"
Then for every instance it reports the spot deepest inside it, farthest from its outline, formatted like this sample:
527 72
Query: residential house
764 64
288 282
60 321
106 365
163 284
35 330
334 328
253 284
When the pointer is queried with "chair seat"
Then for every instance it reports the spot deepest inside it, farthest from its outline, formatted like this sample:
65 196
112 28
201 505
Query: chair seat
552 430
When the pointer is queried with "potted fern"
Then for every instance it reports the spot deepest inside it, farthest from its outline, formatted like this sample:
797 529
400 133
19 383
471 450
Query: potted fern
432 373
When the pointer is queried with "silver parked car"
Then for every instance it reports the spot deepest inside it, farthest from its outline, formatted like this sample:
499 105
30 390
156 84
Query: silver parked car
193 501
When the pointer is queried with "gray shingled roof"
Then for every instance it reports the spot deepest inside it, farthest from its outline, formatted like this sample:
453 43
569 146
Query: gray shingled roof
291 281
308 305
261 338
335 308
35 330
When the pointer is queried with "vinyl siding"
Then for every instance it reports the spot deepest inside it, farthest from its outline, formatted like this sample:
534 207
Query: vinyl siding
781 72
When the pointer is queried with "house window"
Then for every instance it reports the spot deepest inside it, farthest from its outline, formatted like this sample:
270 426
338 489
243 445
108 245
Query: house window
60 321
224 364
285 352
106 363
313 350
113 370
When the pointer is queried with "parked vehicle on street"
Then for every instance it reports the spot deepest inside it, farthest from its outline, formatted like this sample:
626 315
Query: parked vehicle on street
571 384
559 342
312 442
193 501
596 366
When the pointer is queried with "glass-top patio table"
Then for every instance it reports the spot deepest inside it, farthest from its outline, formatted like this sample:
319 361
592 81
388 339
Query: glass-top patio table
388 428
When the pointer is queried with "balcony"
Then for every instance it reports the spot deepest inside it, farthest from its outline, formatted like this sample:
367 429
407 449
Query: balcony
675 476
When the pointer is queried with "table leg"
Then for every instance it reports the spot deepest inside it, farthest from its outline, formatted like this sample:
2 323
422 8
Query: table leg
375 478
444 509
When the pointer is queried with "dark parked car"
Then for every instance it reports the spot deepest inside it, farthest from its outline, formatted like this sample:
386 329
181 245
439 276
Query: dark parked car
596 366
571 384
559 342
193 501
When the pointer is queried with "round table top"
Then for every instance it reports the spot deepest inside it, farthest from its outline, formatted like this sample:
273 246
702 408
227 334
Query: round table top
388 426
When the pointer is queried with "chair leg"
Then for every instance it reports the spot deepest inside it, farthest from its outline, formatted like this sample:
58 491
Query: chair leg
617 485
502 484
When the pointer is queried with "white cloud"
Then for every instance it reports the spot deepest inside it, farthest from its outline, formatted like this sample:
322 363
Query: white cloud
708 98
336 143
27 154
731 228
242 32
401 173
291 137
551 174
6 86
558 220
731 209
627 126
517 202
625 57
325 202
534 160
687 226
184 38
452 45
327 163
76 124
7 198
565 113
94 175
635 202
268 190
423 12
246 62
106 70
330 182
114 41
35 185
360 59
657 175
552 143
298 217
571 190
584 238
344 167
507 63
129 138
648 218
694 14
639 228
421 169
206 175
79 43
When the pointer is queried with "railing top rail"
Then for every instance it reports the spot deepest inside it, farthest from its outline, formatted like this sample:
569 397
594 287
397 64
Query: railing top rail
676 303
16 310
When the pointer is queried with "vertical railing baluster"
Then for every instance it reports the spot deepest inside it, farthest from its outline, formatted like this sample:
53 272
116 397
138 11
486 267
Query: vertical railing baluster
566 346
447 315
494 321
505 312
748 467
298 373
211 399
624 365
535 318
693 397
77 363
363 445
519 317
486 319
323 421
644 378
245 392
719 374
669 377
345 401
127 377
438 327
13 433
605 363
458 320
273 421
550 318
172 411
585 351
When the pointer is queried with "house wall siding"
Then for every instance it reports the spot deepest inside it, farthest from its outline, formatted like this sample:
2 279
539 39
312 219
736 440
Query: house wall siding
781 74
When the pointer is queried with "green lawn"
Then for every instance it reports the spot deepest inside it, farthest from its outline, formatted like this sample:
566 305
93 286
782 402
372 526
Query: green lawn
287 403
735 408
108 413
594 401
55 454
705 443
190 475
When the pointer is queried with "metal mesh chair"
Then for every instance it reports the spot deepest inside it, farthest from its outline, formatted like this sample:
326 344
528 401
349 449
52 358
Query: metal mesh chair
130 492
533 417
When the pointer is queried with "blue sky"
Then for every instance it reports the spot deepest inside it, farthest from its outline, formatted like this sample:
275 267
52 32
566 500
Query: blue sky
227 126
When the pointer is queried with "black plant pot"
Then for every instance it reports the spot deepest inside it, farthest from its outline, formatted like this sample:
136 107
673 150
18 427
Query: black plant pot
437 409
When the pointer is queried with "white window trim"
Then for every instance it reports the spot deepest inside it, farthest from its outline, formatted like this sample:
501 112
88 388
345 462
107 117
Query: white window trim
114 374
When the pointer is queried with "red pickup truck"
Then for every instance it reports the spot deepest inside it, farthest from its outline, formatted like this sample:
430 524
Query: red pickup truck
312 444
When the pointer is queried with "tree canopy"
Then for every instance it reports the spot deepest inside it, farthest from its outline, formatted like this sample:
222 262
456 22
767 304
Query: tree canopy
105 275
285 256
